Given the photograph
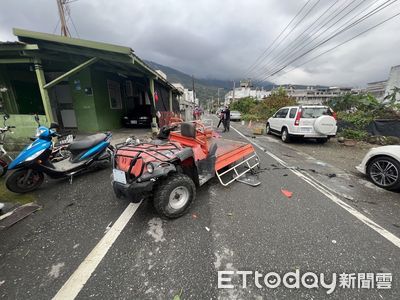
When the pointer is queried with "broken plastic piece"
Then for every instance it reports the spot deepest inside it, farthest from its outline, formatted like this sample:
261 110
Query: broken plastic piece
287 193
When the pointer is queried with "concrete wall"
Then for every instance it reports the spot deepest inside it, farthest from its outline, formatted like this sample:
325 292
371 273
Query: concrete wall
25 128
84 104
107 118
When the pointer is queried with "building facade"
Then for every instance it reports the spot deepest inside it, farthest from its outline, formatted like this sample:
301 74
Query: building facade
83 85
380 89
312 95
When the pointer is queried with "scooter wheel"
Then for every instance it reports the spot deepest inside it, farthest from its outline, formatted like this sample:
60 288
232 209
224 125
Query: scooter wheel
18 182
3 170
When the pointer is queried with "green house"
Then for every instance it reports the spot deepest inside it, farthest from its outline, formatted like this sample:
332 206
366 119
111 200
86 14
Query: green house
84 85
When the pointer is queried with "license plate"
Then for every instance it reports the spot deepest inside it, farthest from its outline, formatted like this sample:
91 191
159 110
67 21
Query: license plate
119 176
133 122
306 129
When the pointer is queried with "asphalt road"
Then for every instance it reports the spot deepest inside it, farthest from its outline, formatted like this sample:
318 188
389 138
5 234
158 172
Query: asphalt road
235 228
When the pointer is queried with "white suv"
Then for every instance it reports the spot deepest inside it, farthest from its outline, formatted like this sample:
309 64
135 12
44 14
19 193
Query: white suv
307 121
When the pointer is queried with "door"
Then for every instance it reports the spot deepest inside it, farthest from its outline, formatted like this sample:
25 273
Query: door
66 112
278 119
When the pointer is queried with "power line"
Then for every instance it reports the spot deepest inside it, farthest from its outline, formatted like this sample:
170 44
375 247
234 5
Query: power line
301 20
297 49
341 10
368 15
337 46
275 40
329 8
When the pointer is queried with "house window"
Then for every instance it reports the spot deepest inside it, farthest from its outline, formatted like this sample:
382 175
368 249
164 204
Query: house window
114 94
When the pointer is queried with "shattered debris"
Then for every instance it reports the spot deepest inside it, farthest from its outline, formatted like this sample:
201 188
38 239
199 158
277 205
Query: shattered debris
18 214
287 193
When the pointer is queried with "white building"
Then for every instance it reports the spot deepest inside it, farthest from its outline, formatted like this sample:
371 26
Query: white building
187 101
316 95
393 81
380 89
244 92
377 89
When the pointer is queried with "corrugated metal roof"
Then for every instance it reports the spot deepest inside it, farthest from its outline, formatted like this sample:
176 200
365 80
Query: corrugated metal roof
27 35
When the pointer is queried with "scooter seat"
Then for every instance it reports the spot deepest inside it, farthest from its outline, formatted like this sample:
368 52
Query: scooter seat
86 142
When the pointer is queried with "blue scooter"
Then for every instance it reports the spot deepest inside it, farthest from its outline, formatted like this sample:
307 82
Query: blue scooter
34 161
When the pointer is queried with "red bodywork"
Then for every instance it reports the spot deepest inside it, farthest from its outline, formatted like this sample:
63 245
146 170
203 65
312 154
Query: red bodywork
228 151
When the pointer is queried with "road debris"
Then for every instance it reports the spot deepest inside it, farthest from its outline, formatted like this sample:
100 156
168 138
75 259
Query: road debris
287 193
108 227
230 214
333 241
208 229
178 296
194 216
331 175
18 214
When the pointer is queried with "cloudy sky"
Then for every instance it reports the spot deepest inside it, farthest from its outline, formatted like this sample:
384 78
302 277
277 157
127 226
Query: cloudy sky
221 39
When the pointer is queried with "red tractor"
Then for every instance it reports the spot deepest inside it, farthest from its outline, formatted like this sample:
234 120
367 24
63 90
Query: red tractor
170 168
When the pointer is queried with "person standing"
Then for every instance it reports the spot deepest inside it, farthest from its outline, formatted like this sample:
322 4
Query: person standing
221 117
227 119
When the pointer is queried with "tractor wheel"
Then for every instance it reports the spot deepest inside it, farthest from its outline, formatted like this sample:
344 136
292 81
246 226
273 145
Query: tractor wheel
174 195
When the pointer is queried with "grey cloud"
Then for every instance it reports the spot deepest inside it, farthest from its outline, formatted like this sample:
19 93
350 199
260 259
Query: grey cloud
207 38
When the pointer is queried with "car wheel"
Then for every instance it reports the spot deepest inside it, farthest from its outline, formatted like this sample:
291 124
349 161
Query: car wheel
385 172
285 135
174 196
268 129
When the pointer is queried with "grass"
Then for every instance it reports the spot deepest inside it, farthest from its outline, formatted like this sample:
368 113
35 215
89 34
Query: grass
7 196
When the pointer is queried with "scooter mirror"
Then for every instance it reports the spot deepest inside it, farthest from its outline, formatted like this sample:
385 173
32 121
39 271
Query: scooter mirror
37 119
6 116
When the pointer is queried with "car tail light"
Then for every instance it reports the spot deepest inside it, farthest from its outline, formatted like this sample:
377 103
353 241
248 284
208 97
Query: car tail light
334 115
298 117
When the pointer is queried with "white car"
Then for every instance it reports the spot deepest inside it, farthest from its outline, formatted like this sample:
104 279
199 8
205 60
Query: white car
236 115
382 166
307 121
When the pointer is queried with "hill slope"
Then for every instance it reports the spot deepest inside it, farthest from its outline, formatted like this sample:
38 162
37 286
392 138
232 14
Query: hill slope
206 89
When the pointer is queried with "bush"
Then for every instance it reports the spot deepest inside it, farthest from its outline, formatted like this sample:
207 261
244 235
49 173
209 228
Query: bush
244 105
264 109
354 134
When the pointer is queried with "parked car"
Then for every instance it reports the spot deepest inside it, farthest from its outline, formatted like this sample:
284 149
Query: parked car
236 115
307 121
382 166
138 117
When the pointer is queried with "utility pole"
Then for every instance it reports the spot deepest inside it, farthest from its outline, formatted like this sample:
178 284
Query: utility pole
218 96
62 9
233 94
194 93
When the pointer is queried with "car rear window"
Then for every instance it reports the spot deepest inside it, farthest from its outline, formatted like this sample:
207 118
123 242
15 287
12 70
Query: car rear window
315 112
292 113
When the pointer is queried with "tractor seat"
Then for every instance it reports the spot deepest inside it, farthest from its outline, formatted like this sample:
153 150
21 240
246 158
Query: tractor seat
86 142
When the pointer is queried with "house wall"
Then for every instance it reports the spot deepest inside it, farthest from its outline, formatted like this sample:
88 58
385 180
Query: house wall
25 128
107 118
22 95
83 103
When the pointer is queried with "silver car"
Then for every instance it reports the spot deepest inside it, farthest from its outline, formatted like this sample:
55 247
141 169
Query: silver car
236 115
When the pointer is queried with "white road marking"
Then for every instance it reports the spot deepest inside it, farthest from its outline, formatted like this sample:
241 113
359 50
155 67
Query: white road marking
78 279
379 229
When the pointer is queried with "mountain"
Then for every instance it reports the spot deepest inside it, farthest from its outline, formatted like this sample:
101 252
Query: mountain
206 89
